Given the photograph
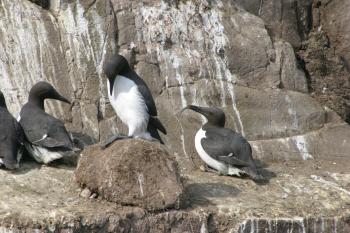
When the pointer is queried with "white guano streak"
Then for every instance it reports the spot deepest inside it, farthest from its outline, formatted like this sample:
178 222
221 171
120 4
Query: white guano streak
214 27
299 140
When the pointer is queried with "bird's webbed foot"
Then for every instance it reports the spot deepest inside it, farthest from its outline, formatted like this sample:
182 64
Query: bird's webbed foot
109 141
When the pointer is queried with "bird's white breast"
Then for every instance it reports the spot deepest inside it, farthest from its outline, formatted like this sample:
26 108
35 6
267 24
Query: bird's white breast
129 105
217 165
41 154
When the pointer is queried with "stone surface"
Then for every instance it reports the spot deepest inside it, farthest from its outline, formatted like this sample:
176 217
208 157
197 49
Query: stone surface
290 20
326 56
237 55
218 45
310 196
132 172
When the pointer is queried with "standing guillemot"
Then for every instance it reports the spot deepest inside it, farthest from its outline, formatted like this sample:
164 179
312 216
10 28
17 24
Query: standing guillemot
223 149
132 100
11 138
47 136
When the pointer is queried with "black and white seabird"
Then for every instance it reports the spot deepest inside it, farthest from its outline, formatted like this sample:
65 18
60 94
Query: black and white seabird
47 136
11 138
132 100
221 148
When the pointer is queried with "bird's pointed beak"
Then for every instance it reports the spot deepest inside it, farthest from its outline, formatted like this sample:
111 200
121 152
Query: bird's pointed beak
194 108
59 97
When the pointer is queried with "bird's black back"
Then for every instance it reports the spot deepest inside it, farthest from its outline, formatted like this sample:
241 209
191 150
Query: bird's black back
223 142
11 136
36 123
144 91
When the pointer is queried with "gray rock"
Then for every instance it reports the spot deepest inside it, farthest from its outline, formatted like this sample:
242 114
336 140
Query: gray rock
290 20
132 172
46 199
326 56
216 53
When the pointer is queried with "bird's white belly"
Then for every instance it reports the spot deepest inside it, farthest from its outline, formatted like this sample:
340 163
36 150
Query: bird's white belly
217 165
41 154
129 105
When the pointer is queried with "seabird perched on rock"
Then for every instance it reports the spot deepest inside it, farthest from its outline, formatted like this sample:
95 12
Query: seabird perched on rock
48 138
221 148
132 100
11 138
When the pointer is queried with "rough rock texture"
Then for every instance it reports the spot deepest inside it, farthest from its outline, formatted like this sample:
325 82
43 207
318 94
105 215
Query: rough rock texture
132 172
234 54
307 197
290 20
327 56
253 76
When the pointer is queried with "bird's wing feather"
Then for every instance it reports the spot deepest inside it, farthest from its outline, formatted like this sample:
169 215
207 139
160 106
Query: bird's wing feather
44 130
19 131
227 146
156 123
57 136
145 92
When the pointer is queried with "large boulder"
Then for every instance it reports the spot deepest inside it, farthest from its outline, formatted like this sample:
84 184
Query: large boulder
132 172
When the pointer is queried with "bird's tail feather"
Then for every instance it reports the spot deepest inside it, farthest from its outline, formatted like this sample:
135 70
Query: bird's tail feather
253 173
155 122
154 133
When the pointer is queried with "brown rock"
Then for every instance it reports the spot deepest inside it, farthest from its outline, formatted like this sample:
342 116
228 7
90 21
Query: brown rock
327 56
132 172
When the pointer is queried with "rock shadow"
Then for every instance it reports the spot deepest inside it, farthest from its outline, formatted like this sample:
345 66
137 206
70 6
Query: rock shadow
82 140
25 167
28 163
201 193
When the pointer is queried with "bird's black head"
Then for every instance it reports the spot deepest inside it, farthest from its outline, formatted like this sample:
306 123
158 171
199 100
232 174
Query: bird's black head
214 115
2 100
43 90
116 65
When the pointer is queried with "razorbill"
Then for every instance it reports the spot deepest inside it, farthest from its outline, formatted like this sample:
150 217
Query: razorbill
11 138
47 136
132 100
221 148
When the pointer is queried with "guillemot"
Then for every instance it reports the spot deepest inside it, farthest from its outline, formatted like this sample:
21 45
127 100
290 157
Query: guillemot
47 138
132 101
11 138
221 148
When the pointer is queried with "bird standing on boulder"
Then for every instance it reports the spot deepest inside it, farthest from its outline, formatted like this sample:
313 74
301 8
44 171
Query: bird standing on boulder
47 136
132 100
11 138
223 149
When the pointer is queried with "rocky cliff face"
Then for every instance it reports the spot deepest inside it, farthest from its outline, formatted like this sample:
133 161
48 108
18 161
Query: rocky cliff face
238 55
205 53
